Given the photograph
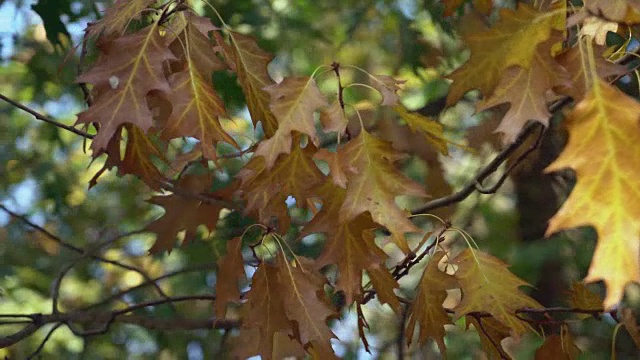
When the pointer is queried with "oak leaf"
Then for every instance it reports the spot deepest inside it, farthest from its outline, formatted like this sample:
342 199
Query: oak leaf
128 68
388 87
491 332
512 41
183 213
293 102
374 183
266 190
575 61
615 10
488 286
333 118
558 347
349 245
117 17
250 62
602 150
524 89
264 315
304 302
230 271
432 130
427 310
138 157
631 324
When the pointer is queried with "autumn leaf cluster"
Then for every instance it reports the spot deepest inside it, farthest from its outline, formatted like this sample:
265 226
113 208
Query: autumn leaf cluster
151 88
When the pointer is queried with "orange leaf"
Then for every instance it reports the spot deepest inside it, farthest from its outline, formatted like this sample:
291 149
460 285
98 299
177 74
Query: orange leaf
426 310
603 151
128 68
293 102
488 286
432 130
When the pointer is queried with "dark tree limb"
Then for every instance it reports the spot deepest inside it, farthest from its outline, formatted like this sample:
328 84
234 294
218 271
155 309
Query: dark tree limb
46 119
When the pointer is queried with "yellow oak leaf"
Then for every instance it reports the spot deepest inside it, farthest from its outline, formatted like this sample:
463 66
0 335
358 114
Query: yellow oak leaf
373 184
128 68
558 347
524 89
488 286
426 310
117 17
512 41
230 270
251 62
266 191
603 151
293 102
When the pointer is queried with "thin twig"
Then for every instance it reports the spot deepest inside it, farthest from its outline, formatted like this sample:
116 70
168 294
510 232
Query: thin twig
44 341
106 318
46 119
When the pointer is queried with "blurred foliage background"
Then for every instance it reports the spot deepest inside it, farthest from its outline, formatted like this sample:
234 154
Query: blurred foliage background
44 172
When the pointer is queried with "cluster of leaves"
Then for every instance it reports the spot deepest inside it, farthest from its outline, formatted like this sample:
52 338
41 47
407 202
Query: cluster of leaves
152 94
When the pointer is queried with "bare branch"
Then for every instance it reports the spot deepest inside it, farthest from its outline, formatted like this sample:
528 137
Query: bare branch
46 119
104 319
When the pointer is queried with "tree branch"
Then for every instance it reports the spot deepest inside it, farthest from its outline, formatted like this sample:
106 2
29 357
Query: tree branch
102 320
46 119
80 251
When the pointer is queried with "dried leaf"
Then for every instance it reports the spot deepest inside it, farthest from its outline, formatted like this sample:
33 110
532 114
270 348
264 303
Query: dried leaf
293 102
427 310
